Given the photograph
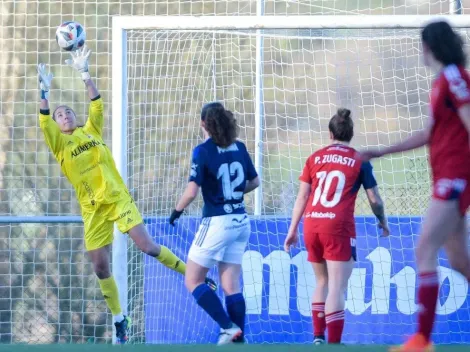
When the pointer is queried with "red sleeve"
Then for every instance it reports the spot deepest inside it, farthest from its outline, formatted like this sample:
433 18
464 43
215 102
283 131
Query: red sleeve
458 84
305 176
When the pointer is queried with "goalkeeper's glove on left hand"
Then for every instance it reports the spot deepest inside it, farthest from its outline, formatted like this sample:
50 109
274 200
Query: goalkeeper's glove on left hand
45 80
79 61
175 215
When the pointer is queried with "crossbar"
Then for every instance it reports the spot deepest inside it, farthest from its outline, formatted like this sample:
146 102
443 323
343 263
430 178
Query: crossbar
284 22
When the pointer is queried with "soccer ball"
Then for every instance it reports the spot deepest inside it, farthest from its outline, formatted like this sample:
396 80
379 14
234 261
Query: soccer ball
70 36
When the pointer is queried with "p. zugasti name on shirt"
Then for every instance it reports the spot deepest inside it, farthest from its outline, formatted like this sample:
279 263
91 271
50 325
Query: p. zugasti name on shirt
335 159
83 148
316 214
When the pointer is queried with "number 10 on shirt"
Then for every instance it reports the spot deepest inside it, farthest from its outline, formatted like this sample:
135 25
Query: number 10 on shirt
325 179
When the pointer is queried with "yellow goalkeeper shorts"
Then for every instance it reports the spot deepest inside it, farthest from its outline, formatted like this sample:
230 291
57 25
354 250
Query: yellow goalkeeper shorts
99 225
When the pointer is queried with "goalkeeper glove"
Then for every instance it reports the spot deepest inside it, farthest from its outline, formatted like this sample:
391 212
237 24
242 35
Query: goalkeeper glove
175 215
79 61
45 80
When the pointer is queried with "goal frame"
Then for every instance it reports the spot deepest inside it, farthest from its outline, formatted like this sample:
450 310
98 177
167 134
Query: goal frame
120 26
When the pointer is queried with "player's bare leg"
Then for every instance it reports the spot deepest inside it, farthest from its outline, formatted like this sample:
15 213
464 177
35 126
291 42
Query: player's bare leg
442 219
100 259
194 275
208 300
146 244
318 302
234 301
456 248
338 277
164 255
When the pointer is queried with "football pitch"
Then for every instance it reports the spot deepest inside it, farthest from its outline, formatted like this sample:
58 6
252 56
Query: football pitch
210 348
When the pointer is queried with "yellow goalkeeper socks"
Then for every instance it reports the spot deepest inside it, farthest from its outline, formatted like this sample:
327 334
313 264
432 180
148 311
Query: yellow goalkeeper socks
111 295
170 260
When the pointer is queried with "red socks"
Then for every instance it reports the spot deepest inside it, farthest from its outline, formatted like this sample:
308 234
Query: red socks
335 325
427 300
318 320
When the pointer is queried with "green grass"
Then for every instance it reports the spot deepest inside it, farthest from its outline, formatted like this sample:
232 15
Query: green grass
209 348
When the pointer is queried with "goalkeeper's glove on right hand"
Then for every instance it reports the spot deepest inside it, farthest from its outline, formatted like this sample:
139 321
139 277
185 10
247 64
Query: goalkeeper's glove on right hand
79 61
175 215
45 80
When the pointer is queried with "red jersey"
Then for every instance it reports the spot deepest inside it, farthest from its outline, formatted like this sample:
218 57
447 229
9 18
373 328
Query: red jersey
449 142
336 175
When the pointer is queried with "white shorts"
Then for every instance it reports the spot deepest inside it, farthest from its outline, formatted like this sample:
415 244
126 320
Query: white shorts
221 239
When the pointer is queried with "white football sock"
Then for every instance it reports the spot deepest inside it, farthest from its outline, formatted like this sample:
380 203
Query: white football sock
118 318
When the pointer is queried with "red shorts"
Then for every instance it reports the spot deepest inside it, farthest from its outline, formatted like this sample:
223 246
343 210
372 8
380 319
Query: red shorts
321 246
450 189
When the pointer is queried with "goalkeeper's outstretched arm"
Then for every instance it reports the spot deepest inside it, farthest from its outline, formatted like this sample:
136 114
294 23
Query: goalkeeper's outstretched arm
44 104
79 62
45 80
52 133
95 119
92 90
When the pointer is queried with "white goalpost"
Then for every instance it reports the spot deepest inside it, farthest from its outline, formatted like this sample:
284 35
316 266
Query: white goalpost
284 77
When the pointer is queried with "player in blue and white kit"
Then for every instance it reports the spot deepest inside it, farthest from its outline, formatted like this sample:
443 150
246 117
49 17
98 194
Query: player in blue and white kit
222 167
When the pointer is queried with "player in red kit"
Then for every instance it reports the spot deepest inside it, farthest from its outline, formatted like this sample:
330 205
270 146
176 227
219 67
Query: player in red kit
327 194
447 135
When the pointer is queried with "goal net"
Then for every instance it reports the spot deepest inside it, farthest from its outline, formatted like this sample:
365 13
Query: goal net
283 84
48 291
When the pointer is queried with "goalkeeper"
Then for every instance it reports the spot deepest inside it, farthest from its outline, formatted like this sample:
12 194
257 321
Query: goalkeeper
87 163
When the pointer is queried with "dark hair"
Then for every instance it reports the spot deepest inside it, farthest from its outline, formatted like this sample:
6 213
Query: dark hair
445 44
64 106
60 106
341 125
220 124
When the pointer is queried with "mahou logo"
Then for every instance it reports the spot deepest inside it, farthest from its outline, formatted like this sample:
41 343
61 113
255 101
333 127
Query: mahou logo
404 282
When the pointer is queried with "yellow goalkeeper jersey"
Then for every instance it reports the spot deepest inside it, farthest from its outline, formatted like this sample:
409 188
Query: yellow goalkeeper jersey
85 159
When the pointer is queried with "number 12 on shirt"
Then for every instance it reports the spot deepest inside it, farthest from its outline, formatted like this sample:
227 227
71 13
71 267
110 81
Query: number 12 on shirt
226 172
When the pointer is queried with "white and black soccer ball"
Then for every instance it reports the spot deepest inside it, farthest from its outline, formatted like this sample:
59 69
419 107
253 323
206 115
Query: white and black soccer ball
70 35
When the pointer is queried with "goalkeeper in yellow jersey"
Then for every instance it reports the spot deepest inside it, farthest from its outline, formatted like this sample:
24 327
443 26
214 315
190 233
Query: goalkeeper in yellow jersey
87 163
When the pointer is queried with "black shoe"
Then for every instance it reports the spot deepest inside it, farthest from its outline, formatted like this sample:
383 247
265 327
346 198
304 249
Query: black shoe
319 340
240 340
122 329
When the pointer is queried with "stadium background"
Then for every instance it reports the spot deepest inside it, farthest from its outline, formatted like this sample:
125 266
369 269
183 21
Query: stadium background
48 292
